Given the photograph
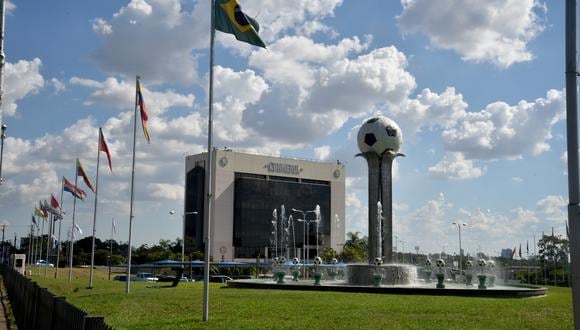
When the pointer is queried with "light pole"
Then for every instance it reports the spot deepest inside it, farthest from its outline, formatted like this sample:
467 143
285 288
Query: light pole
2 137
459 225
305 224
172 212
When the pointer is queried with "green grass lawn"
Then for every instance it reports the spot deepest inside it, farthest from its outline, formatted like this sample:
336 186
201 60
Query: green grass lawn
152 306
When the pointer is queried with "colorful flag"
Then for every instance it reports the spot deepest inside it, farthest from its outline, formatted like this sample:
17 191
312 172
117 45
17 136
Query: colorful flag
74 190
141 104
34 221
230 18
527 247
38 212
81 172
54 202
104 148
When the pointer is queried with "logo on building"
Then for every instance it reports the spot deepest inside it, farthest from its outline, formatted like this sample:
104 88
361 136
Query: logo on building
283 168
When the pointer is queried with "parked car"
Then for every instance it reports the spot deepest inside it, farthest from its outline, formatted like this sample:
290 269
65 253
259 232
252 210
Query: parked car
219 278
145 277
43 263
120 278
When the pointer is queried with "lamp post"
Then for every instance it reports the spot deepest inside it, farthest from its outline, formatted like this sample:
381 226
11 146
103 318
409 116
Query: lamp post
305 224
172 212
2 137
459 225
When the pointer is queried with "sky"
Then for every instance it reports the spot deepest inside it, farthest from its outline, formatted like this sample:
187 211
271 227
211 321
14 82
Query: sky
477 88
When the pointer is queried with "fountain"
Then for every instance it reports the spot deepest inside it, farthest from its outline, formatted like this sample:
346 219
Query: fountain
379 140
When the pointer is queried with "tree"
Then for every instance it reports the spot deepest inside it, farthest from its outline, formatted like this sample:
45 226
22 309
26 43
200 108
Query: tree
355 248
554 248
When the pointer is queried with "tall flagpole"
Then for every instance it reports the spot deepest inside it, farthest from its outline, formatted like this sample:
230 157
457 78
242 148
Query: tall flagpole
41 240
95 211
572 148
128 288
48 241
59 226
111 246
72 230
208 171
2 60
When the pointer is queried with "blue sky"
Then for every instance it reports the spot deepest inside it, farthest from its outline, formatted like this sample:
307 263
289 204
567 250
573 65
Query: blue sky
477 88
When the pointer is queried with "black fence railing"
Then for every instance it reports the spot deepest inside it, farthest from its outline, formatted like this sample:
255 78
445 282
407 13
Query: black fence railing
36 308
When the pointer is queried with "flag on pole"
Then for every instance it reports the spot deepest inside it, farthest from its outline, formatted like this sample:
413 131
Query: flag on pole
74 190
38 212
54 202
114 227
104 148
514 251
77 228
141 104
527 247
520 250
230 18
34 221
81 172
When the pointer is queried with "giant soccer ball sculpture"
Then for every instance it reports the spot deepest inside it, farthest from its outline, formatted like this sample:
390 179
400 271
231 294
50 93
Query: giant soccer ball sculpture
379 140
378 135
378 261
440 263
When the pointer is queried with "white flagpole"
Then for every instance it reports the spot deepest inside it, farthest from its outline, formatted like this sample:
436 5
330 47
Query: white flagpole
59 225
208 171
48 241
41 240
95 211
72 233
2 61
128 287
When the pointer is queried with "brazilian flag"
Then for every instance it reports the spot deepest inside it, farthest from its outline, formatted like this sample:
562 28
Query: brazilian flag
230 18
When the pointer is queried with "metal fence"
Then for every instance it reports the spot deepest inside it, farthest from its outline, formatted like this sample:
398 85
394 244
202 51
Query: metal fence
36 308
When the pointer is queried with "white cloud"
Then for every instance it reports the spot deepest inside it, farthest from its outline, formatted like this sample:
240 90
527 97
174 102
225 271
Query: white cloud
134 40
501 131
322 152
517 179
455 166
58 86
553 208
496 31
23 78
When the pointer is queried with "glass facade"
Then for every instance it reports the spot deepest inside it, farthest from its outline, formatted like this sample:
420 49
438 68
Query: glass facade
256 198
194 195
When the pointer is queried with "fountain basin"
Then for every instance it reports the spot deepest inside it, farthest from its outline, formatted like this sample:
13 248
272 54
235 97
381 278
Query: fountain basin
393 274
460 290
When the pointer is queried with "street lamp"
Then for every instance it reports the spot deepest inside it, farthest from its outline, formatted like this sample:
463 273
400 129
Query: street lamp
2 137
305 224
172 212
459 225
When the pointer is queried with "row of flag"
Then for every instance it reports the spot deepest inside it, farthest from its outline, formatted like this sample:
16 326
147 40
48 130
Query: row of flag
44 209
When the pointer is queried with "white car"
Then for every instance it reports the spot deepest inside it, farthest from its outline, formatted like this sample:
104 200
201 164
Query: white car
145 277
43 263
